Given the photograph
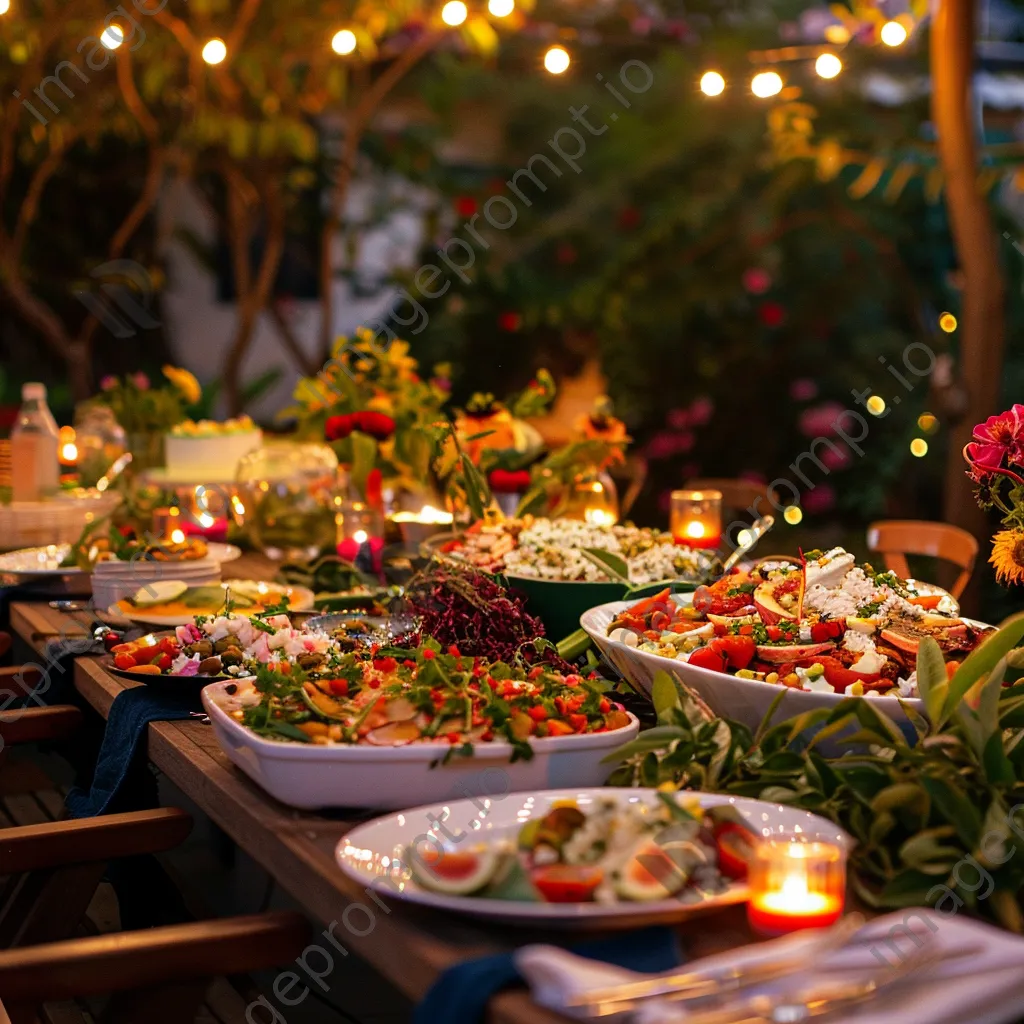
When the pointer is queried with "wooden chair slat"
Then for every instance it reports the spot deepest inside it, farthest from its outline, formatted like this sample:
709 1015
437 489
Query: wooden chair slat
30 725
894 539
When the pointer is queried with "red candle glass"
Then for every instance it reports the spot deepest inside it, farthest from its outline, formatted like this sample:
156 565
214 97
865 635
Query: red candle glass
695 518
796 883
360 538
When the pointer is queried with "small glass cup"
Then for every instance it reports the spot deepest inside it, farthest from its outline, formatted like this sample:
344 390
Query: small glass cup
360 534
796 882
695 518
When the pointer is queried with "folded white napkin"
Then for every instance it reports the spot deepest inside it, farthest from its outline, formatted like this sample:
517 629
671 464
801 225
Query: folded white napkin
982 988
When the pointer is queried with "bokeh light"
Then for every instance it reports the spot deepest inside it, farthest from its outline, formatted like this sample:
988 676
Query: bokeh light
214 51
928 423
875 405
712 83
893 34
793 514
344 42
556 60
501 8
947 322
828 65
112 37
919 447
765 84
454 13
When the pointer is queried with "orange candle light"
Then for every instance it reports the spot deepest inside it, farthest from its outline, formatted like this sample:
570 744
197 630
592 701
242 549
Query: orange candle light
695 518
796 884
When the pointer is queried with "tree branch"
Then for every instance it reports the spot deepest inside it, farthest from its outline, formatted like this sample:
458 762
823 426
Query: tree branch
357 124
244 18
30 204
307 366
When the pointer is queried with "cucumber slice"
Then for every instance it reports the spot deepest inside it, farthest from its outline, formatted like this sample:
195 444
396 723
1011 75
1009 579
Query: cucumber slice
159 592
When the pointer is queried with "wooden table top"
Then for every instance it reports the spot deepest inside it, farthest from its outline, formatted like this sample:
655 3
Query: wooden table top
408 946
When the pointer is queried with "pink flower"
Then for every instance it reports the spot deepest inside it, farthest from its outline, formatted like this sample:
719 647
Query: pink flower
1005 431
756 281
701 410
803 390
817 421
837 457
821 499
661 446
984 459
140 380
678 419
108 383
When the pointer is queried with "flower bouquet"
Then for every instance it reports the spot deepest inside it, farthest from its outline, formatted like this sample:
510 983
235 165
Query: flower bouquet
372 406
999 444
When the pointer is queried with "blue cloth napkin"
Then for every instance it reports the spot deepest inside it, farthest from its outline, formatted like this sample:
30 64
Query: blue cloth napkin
461 994
121 762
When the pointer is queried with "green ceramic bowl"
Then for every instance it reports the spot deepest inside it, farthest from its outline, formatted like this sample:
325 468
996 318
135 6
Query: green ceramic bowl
559 604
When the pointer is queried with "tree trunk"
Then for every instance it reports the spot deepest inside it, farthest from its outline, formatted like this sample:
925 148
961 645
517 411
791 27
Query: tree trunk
982 327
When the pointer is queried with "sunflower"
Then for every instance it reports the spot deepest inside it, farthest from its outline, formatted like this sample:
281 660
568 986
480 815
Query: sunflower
1008 556
185 382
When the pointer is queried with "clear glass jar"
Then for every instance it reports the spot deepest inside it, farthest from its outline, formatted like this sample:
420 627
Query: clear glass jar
285 499
100 440
592 497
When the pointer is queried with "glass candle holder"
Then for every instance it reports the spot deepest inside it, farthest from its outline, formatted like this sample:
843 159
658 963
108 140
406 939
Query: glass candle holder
360 538
796 883
695 518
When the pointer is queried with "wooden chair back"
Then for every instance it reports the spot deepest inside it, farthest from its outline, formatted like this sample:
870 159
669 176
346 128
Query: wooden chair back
156 975
737 495
894 539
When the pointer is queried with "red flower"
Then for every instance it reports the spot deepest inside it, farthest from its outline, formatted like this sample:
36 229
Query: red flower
1004 433
508 481
377 424
465 206
338 427
984 460
509 321
374 482
771 314
629 218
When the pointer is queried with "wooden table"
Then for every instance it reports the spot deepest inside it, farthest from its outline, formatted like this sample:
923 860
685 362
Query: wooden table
407 946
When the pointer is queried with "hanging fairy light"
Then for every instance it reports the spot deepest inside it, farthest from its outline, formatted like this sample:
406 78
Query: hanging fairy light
344 41
793 514
5 6
947 322
828 65
765 84
919 447
893 34
557 60
214 51
454 13
112 37
501 8
875 405
712 83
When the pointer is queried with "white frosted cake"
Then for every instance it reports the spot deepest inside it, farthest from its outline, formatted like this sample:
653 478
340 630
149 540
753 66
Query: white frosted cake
208 451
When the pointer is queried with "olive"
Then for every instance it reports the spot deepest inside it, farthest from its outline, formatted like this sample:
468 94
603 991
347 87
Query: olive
311 660
210 667
203 647
224 643
232 657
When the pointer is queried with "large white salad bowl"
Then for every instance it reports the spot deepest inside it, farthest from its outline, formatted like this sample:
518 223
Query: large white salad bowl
743 700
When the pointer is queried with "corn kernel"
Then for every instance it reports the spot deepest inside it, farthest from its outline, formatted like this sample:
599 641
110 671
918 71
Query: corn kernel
792 679
744 673
856 689
772 677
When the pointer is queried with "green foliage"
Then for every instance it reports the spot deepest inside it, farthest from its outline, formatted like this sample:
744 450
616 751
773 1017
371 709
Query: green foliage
930 818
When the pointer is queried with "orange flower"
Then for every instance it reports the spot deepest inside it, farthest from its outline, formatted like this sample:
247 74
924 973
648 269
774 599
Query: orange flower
1008 556
498 426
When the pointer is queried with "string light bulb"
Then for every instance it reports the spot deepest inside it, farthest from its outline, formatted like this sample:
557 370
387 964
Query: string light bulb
214 51
947 322
919 447
501 8
828 65
454 13
765 84
893 34
557 60
793 514
875 405
112 37
712 83
344 41
5 6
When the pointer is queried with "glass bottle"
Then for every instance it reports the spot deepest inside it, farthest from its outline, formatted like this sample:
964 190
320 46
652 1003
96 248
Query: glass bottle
100 440
34 442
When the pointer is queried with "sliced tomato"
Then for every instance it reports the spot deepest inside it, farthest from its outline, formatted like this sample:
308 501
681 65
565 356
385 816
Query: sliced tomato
774 633
708 657
567 883
663 597
660 620
736 847
832 629
124 661
840 677
738 651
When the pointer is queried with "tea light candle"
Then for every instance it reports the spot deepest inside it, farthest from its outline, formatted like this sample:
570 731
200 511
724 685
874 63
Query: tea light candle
360 535
695 518
795 884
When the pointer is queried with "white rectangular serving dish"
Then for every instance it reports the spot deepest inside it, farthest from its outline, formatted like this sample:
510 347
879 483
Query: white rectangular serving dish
390 778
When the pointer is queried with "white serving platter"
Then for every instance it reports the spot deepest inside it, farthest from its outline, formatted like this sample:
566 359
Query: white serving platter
375 854
363 775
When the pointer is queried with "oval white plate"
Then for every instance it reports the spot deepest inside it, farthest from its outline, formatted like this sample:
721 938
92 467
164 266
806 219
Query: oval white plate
744 700
372 854
301 599
45 561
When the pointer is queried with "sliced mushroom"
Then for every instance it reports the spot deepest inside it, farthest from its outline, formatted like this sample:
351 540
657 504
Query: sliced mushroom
394 734
400 709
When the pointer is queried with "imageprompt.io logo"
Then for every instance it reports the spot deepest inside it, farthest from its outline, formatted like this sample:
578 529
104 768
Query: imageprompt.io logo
127 286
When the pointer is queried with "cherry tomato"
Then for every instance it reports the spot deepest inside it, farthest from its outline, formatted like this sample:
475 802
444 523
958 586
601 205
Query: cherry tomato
121 648
821 632
774 633
735 849
660 620
738 651
124 661
708 657
578 722
168 645
339 687
567 883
